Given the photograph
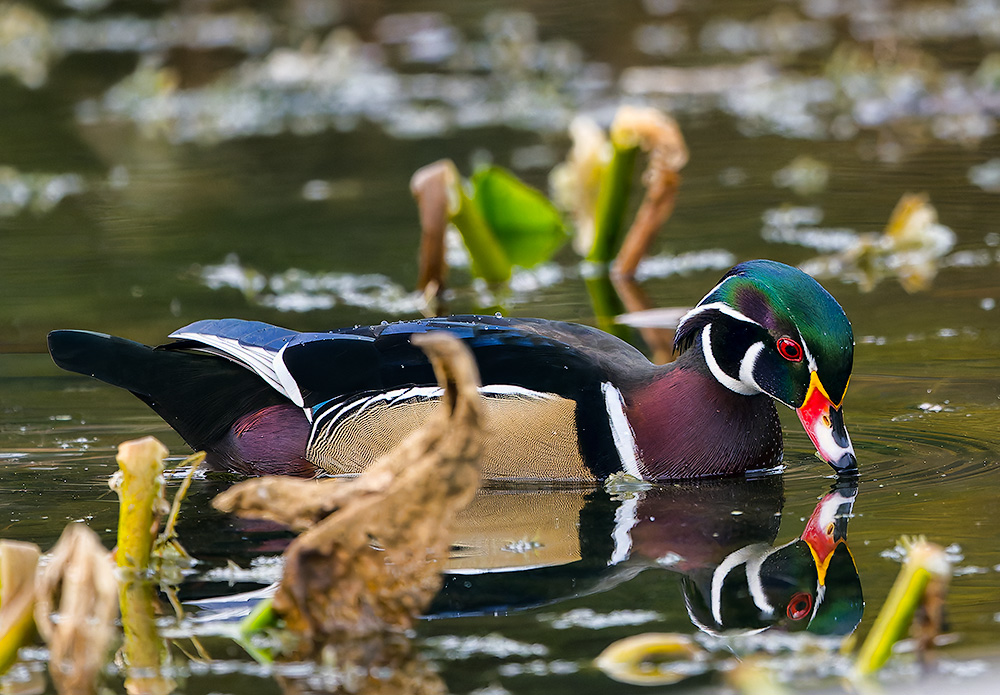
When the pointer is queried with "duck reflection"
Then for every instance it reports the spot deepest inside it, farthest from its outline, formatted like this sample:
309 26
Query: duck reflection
516 549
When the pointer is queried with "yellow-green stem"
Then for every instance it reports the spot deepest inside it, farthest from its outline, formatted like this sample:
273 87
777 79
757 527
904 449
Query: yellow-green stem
17 598
606 304
143 650
612 201
489 260
261 618
924 562
140 490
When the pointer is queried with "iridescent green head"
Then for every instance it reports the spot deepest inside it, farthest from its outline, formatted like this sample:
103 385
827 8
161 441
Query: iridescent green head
770 328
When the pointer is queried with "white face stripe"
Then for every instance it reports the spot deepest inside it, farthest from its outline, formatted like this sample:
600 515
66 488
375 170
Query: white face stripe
728 564
716 306
621 430
735 385
755 584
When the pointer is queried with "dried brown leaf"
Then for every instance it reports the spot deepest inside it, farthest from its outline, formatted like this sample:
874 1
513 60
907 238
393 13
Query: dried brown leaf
374 564
434 187
659 135
79 585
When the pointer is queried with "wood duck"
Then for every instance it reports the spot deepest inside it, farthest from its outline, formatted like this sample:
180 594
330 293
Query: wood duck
516 548
563 401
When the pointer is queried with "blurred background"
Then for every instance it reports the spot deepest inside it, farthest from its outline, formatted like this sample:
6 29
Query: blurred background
163 162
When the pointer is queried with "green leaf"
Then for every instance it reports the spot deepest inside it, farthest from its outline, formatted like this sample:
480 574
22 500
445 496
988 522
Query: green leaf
489 259
524 222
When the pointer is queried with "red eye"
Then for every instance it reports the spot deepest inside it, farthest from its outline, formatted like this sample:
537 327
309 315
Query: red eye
789 349
800 606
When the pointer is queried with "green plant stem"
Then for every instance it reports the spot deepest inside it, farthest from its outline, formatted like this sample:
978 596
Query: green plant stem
612 199
606 304
140 489
925 563
488 258
261 617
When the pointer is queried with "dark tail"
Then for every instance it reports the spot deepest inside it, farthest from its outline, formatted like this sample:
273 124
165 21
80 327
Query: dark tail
201 396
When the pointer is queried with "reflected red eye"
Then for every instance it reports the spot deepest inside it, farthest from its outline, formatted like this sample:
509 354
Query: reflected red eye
789 349
800 606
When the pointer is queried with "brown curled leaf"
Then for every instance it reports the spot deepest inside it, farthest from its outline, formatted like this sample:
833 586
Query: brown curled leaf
659 135
79 585
374 564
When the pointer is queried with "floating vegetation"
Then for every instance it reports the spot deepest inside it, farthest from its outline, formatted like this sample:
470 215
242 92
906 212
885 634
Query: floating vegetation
653 659
510 77
799 225
592 620
495 645
297 290
503 222
804 175
911 249
782 32
38 193
986 175
420 74
665 265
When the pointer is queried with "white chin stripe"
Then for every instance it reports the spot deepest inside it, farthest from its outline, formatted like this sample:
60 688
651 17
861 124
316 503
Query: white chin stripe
746 388
747 364
621 430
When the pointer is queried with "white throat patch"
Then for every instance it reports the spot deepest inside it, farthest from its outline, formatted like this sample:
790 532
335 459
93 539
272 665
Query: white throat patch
745 385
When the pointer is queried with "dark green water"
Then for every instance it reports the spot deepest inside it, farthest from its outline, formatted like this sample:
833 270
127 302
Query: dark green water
171 182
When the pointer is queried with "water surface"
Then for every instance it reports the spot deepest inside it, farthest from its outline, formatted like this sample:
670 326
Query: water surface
163 198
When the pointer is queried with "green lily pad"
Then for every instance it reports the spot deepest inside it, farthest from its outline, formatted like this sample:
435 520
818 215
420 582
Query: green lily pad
524 222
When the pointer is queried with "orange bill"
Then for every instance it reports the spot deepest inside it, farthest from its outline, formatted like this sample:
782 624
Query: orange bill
824 423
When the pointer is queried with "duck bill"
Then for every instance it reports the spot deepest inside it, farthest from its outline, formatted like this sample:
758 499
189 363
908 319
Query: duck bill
827 527
824 423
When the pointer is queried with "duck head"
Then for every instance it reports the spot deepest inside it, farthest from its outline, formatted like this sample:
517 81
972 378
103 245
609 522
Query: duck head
770 328
810 583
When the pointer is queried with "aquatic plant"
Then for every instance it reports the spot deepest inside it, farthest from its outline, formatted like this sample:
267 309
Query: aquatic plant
503 221
911 249
369 558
